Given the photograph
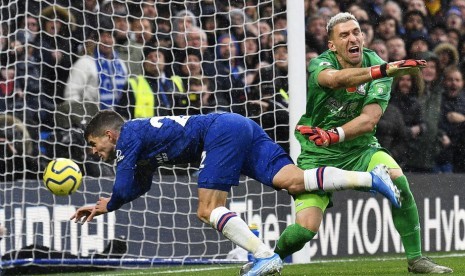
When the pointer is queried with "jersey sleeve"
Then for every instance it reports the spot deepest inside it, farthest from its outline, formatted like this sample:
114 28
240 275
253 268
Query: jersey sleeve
131 180
379 91
316 66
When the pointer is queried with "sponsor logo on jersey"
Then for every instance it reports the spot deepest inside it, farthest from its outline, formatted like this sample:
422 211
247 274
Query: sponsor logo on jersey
119 156
324 63
381 89
342 109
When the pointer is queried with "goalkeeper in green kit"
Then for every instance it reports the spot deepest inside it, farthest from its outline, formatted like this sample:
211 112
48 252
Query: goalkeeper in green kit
348 90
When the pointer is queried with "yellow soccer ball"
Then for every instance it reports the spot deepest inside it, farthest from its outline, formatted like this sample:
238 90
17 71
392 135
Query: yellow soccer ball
62 176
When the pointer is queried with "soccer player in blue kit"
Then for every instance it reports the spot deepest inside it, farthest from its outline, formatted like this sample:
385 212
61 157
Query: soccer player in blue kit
227 145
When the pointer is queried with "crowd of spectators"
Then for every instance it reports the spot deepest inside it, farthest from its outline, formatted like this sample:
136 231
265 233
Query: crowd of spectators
155 58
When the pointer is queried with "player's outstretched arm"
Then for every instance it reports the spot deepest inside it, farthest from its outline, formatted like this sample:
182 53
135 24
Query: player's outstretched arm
397 68
352 77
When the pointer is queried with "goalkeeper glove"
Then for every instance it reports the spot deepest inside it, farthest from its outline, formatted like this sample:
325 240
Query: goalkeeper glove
321 137
397 68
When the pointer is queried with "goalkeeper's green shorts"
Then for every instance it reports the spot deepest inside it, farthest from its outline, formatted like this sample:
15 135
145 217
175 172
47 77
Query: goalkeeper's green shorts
322 199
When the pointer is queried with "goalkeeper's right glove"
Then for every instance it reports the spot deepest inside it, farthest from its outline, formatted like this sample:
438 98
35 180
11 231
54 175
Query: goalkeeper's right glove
321 137
397 68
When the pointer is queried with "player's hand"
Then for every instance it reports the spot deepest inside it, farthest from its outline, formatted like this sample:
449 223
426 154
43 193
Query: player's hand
82 213
397 68
87 213
99 208
320 137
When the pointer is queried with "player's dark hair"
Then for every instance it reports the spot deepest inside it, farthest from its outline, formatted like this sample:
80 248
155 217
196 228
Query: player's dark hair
103 120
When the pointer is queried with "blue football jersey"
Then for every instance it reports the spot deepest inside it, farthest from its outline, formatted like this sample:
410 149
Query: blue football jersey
162 140
227 145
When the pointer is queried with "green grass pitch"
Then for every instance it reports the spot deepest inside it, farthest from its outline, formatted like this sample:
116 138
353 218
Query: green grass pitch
389 265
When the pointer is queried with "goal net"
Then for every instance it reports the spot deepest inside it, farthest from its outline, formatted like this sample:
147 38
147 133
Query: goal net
210 56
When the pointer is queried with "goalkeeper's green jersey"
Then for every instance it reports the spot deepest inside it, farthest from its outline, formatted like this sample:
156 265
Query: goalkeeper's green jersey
329 108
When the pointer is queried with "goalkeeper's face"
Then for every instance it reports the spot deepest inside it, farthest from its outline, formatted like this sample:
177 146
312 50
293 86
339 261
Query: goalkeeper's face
347 43
103 146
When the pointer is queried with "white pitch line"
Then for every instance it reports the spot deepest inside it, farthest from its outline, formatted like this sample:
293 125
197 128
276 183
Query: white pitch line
193 270
317 261
167 271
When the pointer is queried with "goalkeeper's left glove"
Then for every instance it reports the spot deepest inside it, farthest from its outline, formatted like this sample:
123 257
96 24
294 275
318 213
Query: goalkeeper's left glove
321 137
397 68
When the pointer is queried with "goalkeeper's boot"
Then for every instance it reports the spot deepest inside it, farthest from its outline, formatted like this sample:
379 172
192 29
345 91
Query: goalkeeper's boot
424 265
263 266
382 183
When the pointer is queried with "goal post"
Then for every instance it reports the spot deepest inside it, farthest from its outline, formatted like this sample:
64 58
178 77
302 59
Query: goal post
297 86
43 42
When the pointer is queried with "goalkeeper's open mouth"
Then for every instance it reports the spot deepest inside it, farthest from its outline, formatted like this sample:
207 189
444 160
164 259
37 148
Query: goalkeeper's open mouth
354 50
354 53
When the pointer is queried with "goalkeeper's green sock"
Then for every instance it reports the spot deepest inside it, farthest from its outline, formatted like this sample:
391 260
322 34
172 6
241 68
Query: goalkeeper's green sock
406 220
293 238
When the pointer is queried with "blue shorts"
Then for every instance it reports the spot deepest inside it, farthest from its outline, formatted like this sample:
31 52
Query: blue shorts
236 145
